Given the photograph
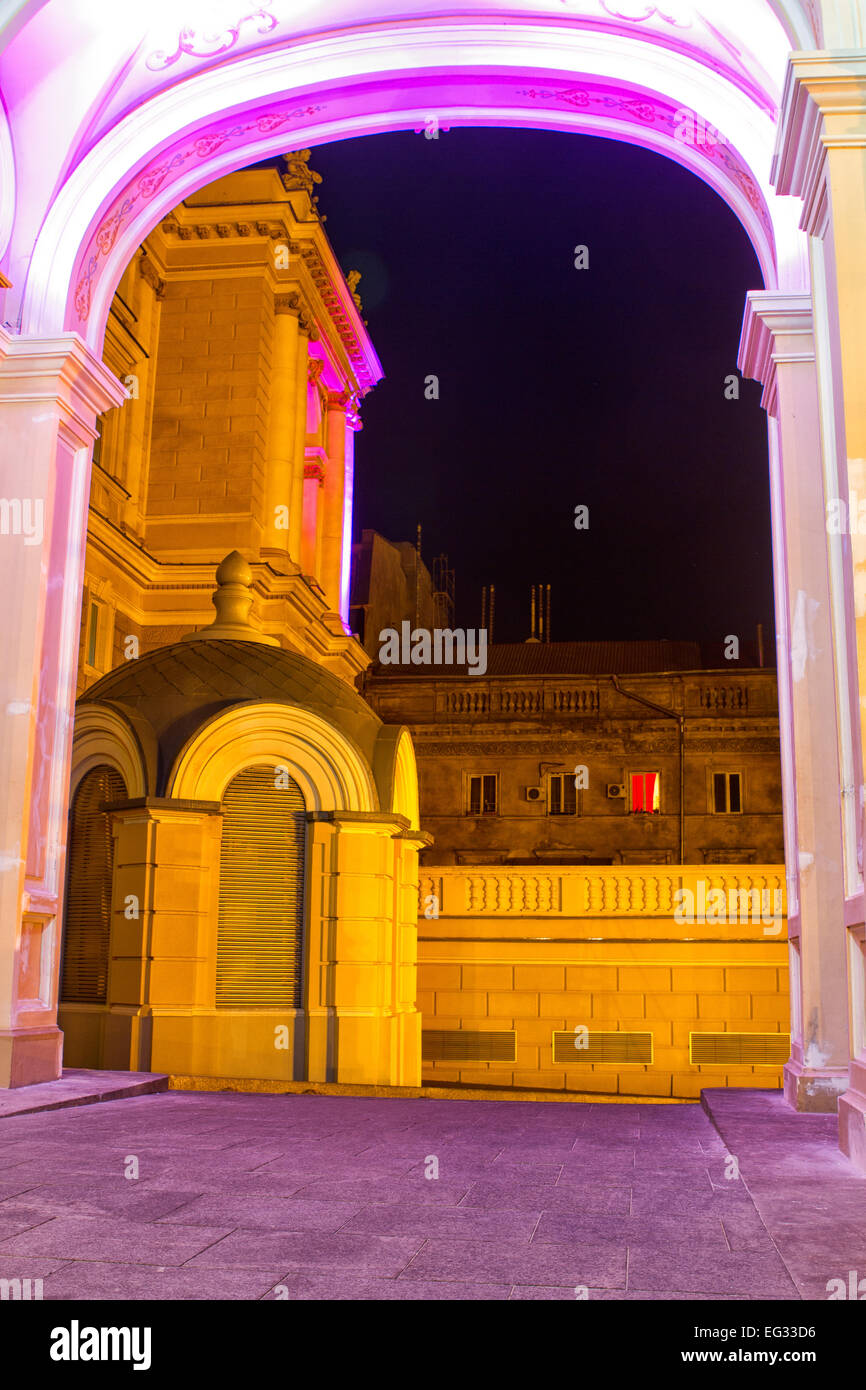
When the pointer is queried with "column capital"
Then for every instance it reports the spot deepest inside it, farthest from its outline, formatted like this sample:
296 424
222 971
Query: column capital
58 370
823 107
777 328
292 302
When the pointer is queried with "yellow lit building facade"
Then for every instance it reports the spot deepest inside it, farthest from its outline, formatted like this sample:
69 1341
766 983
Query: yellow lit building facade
243 900
242 865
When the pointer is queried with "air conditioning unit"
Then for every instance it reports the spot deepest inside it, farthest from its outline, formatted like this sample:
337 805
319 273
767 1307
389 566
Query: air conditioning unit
534 793
615 789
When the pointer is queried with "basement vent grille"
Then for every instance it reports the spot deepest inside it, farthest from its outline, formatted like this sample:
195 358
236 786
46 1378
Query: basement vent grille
739 1049
603 1047
466 1045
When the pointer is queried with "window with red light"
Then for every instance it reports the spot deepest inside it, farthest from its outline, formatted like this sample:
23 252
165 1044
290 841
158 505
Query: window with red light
645 788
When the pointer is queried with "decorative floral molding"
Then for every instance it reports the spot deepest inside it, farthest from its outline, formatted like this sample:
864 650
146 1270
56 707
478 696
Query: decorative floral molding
660 115
637 12
144 186
208 43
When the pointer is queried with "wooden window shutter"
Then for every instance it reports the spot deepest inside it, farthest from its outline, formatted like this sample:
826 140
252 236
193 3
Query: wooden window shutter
87 932
261 897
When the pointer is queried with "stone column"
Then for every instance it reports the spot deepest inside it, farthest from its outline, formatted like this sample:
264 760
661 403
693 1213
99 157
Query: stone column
282 433
821 158
353 421
777 349
334 496
51 391
363 1026
296 523
310 558
163 952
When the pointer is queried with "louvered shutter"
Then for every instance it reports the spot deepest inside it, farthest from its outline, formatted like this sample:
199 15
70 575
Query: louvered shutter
87 932
261 899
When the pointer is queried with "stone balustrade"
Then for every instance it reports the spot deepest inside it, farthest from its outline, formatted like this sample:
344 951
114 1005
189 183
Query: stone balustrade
635 981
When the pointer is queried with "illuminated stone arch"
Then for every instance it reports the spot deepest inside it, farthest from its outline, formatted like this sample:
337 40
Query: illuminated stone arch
332 773
396 771
103 736
153 123
617 80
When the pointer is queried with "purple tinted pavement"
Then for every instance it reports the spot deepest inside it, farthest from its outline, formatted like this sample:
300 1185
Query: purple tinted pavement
326 1197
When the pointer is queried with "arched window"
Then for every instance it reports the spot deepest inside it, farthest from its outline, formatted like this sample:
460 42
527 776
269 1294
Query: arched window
261 898
87 930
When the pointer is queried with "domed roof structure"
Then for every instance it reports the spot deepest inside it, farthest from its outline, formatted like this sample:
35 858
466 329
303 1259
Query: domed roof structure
168 695
174 691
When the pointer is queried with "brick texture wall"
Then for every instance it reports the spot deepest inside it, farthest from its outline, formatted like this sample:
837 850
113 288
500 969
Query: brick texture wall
627 971
210 420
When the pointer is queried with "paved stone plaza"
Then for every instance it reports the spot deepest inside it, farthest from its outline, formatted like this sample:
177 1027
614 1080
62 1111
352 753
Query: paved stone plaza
323 1197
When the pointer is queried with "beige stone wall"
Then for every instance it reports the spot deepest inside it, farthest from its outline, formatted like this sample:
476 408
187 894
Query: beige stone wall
186 469
208 454
532 953
523 729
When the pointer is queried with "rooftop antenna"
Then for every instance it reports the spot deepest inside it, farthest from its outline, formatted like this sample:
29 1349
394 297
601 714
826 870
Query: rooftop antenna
417 573
532 622
547 617
492 608
443 592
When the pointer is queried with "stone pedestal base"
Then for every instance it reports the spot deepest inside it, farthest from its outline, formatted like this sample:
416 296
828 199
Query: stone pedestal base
814 1090
30 1055
852 1117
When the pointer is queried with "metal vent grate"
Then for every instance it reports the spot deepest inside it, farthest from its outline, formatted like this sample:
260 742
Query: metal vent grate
466 1045
261 898
739 1049
87 930
602 1047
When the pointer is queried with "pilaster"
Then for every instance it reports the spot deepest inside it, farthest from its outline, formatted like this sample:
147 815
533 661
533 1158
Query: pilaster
51 391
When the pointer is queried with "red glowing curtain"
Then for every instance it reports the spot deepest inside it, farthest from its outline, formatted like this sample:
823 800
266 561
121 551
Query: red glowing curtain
644 794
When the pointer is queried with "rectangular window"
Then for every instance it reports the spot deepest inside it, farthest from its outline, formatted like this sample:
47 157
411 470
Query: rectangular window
645 791
483 795
561 794
726 792
92 634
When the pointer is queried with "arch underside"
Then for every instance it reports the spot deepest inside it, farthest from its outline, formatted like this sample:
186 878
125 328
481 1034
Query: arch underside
210 125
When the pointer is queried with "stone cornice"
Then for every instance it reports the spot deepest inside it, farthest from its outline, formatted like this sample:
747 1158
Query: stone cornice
342 311
777 327
60 368
823 92
316 257
622 747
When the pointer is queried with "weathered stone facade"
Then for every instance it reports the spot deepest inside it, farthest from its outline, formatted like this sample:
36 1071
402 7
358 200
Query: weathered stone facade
560 713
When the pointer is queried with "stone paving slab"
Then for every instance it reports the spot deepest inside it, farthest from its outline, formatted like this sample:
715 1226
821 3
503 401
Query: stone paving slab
316 1197
80 1087
810 1200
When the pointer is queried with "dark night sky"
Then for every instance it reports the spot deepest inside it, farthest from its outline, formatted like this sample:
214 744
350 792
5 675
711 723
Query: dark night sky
558 386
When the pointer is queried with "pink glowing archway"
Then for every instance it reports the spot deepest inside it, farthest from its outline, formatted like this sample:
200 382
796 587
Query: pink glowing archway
189 102
110 115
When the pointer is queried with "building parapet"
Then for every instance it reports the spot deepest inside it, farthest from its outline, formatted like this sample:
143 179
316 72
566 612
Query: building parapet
575 892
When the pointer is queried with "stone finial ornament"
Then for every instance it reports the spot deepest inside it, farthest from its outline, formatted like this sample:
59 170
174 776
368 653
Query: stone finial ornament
298 172
352 280
232 600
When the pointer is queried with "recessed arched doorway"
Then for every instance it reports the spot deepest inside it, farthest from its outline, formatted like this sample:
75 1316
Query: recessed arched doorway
173 118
